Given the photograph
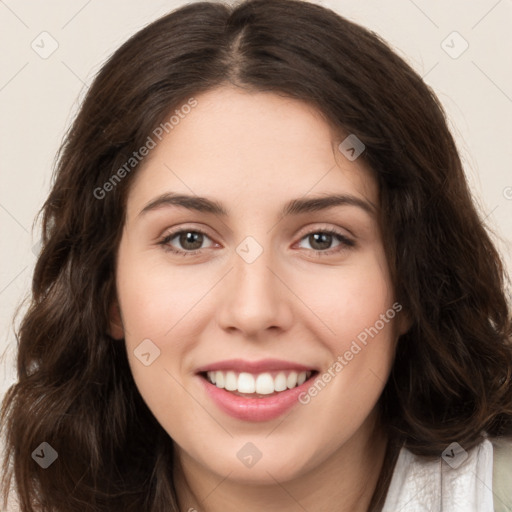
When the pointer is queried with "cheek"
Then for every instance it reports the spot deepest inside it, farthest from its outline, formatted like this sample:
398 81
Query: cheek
351 298
152 301
361 352
357 326
155 302
154 297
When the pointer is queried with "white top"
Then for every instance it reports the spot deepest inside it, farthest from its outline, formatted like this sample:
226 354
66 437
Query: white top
459 481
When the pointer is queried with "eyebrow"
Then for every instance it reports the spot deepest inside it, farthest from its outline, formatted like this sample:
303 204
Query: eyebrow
293 207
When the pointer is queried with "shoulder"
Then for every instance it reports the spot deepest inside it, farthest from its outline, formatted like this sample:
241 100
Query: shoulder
502 473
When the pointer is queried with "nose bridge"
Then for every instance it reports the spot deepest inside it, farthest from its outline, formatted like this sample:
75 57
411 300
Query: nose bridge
254 300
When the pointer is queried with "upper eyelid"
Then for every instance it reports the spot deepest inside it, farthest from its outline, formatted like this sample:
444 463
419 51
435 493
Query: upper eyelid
303 232
172 233
329 229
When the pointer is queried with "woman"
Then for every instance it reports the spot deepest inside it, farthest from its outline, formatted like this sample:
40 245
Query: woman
263 285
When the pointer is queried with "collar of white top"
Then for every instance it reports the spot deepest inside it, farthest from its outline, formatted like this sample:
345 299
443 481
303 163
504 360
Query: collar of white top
456 481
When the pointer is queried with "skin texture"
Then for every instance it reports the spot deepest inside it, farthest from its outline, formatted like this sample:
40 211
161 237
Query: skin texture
254 152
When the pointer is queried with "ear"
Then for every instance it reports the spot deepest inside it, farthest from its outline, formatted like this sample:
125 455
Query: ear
116 329
404 322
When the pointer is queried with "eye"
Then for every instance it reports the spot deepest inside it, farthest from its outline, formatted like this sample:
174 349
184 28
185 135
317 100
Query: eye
321 241
190 241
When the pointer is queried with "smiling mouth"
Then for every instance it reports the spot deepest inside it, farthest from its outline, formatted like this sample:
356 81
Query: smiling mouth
258 385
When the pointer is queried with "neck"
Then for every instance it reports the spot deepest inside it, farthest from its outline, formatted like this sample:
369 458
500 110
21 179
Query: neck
344 481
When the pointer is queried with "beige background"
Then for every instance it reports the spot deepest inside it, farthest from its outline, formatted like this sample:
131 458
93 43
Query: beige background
39 96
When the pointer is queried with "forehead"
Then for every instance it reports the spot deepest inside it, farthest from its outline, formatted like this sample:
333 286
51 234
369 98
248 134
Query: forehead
253 148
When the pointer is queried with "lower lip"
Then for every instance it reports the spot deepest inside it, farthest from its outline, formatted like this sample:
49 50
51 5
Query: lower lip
255 409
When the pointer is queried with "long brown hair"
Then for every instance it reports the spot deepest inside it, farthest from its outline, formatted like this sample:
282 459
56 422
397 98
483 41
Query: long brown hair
451 380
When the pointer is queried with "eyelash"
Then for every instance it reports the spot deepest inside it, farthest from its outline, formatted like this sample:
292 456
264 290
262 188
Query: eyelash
345 243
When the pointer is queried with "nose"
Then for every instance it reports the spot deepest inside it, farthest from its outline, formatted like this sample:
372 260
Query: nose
255 298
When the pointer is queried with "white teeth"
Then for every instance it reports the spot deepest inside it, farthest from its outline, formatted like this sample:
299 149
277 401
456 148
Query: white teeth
231 382
291 381
280 382
246 383
262 384
219 379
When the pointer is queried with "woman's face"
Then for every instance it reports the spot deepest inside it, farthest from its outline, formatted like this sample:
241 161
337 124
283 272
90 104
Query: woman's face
251 256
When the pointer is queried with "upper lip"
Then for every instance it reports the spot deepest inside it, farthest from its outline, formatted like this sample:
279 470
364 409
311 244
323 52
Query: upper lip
263 365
